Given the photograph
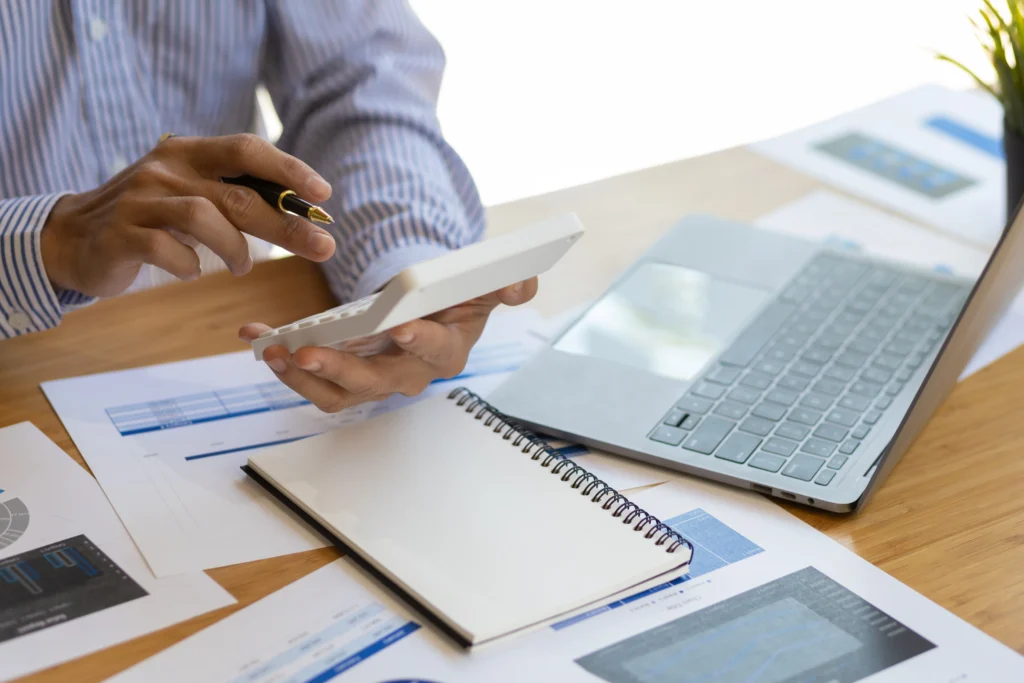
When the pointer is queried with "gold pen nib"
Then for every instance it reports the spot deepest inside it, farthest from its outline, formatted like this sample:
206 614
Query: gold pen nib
318 215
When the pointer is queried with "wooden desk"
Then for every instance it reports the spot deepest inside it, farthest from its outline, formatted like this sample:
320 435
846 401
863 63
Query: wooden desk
949 522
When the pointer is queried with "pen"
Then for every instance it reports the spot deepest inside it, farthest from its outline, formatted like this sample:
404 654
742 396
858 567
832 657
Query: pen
283 198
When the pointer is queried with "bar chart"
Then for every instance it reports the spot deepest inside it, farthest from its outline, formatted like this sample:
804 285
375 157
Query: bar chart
59 582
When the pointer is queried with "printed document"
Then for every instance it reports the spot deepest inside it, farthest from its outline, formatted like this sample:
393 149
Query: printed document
767 598
71 581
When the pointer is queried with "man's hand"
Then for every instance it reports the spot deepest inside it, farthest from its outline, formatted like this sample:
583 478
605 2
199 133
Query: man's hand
423 350
155 210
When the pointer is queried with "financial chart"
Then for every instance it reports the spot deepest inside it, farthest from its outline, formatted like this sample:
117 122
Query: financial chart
59 582
801 627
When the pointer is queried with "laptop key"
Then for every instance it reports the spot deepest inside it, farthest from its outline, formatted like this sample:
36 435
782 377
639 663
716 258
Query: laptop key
742 351
872 417
692 404
846 418
865 389
837 461
894 388
831 432
860 432
803 467
851 359
757 425
854 402
887 362
817 355
876 375
806 369
792 430
770 411
770 367
840 373
816 401
723 374
730 409
708 390
794 382
805 416
744 395
828 387
849 446
818 447
767 462
779 395
709 434
674 418
824 478
883 403
863 345
779 446
737 448
756 381
670 435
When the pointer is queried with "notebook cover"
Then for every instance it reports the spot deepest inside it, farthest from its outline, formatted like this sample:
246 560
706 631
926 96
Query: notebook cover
349 552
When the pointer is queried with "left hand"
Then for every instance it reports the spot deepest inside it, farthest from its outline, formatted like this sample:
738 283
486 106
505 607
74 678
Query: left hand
423 350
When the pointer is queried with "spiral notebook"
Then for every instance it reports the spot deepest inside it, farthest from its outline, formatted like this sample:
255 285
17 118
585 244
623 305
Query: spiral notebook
479 524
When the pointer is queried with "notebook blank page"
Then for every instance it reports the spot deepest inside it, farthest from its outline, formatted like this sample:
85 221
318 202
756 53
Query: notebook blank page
473 527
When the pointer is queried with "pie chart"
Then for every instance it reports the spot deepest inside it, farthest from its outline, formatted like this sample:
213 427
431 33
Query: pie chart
13 521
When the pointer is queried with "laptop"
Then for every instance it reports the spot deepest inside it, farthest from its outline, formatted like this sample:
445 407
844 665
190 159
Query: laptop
764 361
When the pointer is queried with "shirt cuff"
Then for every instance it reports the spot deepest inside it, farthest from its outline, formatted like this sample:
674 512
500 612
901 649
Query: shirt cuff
28 303
391 263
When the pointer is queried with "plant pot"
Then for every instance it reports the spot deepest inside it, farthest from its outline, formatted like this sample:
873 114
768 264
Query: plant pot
1013 148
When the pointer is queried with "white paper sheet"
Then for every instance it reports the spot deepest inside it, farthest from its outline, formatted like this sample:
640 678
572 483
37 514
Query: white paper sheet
166 443
953 133
843 223
71 582
767 598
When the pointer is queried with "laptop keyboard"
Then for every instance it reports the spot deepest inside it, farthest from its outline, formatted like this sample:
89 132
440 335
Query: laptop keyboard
808 379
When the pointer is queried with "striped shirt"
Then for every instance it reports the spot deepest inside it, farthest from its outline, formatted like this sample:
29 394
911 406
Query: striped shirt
86 86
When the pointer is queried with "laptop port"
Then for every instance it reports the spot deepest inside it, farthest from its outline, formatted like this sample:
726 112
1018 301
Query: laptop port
787 494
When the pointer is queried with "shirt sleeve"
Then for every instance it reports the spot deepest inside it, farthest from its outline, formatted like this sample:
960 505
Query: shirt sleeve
28 303
355 84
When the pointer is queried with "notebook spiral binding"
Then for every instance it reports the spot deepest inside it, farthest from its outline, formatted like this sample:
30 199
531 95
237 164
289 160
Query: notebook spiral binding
591 486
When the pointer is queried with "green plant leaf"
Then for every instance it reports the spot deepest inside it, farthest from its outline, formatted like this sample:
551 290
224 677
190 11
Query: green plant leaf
977 79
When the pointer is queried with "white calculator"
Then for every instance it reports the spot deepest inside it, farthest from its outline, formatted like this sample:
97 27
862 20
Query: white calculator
429 287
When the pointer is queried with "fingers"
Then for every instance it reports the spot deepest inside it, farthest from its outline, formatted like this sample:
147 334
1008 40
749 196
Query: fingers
251 331
519 293
160 249
366 379
443 347
198 218
233 155
248 212
324 394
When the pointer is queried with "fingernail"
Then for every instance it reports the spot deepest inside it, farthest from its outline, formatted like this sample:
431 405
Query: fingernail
318 187
321 243
402 336
311 366
277 365
246 338
517 287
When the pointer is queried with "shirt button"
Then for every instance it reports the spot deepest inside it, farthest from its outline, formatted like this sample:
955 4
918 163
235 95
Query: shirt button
120 163
19 321
97 29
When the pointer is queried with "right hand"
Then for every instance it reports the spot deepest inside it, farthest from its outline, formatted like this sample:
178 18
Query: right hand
155 210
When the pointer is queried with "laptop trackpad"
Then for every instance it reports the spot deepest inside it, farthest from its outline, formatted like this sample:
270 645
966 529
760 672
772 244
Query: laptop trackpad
665 319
